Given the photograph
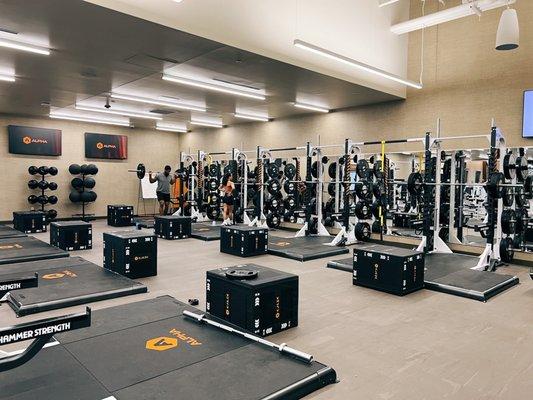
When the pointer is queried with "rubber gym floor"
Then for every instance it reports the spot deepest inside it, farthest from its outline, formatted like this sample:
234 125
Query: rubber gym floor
426 345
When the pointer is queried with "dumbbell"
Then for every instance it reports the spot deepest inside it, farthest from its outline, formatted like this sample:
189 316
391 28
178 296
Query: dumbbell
42 199
43 185
53 171
33 170
33 184
52 199
43 170
89 183
52 186
32 199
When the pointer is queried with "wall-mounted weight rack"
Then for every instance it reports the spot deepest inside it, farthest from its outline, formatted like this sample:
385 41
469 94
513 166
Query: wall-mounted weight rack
43 185
82 186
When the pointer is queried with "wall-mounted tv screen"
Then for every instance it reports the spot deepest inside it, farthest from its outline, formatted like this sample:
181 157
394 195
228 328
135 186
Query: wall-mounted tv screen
99 145
34 141
527 121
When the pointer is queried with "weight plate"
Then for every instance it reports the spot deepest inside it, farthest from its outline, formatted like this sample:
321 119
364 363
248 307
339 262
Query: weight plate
362 168
272 170
362 210
363 189
332 170
213 212
273 220
521 168
362 231
415 184
374 208
214 170
494 184
290 203
241 274
509 166
290 171
522 219
273 186
212 184
507 196
507 249
508 221
377 169
528 187
376 227
331 189
379 189
520 197
141 171
289 187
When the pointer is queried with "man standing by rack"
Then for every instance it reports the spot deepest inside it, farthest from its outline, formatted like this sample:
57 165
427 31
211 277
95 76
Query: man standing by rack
164 180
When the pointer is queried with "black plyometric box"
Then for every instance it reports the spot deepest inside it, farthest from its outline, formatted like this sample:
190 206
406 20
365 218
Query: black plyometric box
389 269
244 241
119 215
172 227
258 299
29 221
71 235
131 253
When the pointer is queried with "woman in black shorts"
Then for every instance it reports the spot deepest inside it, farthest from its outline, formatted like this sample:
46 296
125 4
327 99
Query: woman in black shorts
227 186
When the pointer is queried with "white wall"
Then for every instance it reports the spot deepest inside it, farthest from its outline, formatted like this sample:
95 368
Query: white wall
355 28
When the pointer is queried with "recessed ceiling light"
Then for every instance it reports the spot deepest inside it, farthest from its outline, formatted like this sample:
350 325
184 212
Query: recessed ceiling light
207 123
11 44
83 118
119 112
252 117
164 103
7 78
170 127
365 67
384 3
212 87
311 107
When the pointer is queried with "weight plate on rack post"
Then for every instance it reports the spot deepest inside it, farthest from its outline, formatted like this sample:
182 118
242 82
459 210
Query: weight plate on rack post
509 166
362 168
508 221
290 171
363 189
521 168
507 249
362 231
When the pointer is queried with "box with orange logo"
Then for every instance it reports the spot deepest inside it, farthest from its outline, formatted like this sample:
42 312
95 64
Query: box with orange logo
71 235
131 253
258 299
29 221
389 269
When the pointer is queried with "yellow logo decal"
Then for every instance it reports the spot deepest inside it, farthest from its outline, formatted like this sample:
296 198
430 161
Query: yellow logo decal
11 246
99 145
26 140
161 343
282 244
59 275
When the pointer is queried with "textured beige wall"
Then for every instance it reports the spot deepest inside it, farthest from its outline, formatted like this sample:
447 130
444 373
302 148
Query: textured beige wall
113 183
467 83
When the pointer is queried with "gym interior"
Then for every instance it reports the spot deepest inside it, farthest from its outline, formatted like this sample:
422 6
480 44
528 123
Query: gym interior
266 199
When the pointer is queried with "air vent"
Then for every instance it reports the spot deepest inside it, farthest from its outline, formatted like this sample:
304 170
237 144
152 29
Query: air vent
237 84
8 31
162 112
